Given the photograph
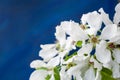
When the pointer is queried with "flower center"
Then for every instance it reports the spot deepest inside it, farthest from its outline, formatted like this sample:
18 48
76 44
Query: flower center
83 26
91 63
111 46
94 40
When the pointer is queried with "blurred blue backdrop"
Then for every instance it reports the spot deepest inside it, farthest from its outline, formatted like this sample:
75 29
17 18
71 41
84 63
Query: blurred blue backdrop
25 24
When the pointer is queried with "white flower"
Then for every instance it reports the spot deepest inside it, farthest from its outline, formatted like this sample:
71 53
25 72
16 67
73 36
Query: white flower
63 46
48 51
93 20
95 50
65 42
44 69
117 14
78 70
111 31
40 63
73 30
82 70
105 17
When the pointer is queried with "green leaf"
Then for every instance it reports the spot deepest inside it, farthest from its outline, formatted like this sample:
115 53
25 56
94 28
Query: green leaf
79 44
106 74
48 77
56 73
69 56
106 70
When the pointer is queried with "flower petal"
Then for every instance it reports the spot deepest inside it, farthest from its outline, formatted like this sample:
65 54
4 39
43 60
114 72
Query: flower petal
91 31
102 54
37 64
89 74
63 74
109 32
116 38
96 63
47 46
38 75
116 70
93 19
73 29
53 62
108 65
117 14
116 54
75 72
98 75
105 17
85 50
69 44
60 35
48 54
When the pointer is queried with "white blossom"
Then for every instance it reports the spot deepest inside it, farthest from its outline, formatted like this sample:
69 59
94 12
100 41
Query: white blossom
93 19
80 53
73 29
117 13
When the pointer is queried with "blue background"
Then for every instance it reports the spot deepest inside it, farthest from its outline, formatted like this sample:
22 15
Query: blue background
25 24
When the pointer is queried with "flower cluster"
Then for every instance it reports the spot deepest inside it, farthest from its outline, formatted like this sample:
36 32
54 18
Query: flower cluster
89 50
